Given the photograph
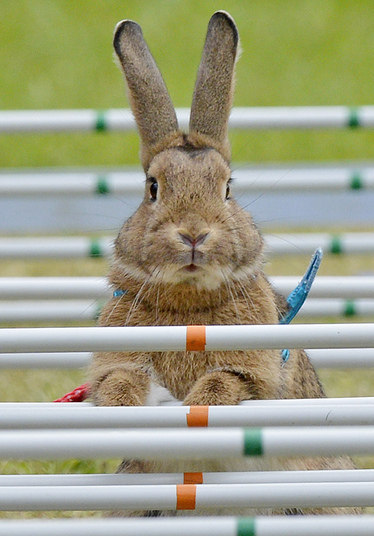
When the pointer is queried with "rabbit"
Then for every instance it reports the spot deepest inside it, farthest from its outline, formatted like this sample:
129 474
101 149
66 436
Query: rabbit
191 255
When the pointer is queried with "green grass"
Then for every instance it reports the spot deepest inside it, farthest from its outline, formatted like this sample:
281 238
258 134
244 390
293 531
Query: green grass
58 54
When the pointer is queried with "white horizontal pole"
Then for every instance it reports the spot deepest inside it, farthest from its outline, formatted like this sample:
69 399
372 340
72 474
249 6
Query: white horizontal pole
164 496
280 244
351 358
306 243
295 117
295 402
48 311
290 178
60 182
26 288
349 287
336 307
80 310
178 338
68 183
187 444
141 444
292 402
141 479
55 247
344 525
50 360
169 417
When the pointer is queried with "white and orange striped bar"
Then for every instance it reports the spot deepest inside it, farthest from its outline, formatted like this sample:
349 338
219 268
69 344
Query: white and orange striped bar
86 417
187 338
343 525
141 479
187 496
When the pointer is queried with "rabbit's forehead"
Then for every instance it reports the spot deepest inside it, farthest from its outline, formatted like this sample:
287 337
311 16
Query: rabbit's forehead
174 165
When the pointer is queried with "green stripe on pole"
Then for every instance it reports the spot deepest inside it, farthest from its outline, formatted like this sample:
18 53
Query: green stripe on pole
246 526
253 442
336 245
98 311
101 123
350 308
95 249
102 186
353 118
356 181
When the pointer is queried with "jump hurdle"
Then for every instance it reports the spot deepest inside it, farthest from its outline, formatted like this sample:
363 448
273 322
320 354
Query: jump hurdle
86 417
270 117
193 443
42 288
220 526
83 310
178 497
186 338
243 477
281 244
352 358
131 181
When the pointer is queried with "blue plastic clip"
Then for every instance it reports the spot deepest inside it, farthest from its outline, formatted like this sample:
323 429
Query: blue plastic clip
298 296
118 293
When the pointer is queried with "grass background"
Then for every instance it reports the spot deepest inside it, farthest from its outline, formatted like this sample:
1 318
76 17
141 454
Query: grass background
58 54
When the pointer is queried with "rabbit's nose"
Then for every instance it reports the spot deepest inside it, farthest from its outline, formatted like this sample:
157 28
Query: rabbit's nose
191 241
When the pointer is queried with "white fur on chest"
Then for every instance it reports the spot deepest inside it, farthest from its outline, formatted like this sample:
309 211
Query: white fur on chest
159 395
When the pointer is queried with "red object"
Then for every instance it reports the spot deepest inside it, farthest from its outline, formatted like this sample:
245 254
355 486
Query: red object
77 395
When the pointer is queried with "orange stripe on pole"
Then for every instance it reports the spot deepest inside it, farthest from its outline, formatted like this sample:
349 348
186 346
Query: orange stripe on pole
198 416
196 338
186 496
193 478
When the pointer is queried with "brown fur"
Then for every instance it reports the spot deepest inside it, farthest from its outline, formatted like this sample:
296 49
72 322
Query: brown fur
191 255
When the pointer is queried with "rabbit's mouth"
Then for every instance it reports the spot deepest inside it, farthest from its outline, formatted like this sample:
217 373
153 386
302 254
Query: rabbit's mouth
191 268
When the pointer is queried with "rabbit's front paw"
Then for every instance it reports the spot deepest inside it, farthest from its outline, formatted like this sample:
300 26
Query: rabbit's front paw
121 388
217 389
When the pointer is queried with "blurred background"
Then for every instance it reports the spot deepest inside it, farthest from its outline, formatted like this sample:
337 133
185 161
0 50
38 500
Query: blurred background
58 55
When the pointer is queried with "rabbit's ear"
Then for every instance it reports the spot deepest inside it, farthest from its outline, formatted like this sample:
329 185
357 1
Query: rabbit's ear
149 99
214 86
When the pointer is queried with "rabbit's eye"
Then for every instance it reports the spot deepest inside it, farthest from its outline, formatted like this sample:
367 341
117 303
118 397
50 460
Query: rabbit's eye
153 190
228 189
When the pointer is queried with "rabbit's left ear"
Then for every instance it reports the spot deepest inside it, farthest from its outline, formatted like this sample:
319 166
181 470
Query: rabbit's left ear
214 86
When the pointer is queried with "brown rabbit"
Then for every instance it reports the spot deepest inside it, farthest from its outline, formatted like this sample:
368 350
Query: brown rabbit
191 255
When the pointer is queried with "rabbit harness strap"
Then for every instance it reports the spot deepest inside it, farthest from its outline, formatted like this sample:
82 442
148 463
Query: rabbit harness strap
298 296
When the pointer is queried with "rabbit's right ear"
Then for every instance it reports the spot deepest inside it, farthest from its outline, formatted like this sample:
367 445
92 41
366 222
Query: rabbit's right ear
149 99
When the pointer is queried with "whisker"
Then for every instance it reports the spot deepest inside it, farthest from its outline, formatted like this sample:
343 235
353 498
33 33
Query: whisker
227 284
137 300
297 248
118 301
